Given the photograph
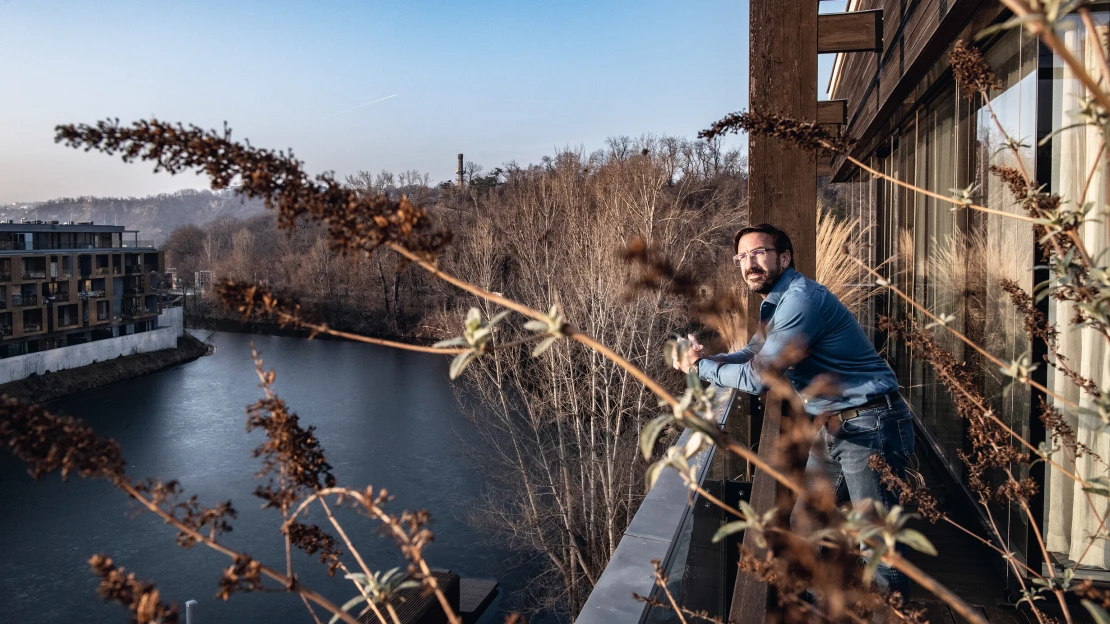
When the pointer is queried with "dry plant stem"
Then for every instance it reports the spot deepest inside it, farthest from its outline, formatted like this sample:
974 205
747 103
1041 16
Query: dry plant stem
220 548
940 591
1089 24
1048 560
397 531
996 549
713 499
661 581
944 198
964 338
910 570
1038 28
324 329
311 611
1076 241
358 557
1095 537
1091 174
605 351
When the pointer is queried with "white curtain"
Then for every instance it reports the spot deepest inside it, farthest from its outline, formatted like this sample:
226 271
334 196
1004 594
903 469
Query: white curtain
1070 517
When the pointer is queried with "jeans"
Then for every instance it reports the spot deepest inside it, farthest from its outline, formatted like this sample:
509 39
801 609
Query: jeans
840 456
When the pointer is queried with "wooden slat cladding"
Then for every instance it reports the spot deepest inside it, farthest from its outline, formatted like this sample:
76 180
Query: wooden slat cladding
858 31
916 34
832 112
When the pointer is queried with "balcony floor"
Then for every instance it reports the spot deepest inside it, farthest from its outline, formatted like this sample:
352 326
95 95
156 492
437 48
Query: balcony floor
965 566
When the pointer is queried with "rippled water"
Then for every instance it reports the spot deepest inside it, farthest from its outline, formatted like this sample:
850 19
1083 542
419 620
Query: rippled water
384 417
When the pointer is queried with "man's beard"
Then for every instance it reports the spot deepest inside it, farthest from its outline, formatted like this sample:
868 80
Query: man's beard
767 279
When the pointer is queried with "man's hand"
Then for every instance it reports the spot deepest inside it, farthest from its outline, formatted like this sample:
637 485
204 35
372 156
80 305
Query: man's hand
694 353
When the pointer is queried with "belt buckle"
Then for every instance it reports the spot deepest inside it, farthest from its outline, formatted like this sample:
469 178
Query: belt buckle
848 414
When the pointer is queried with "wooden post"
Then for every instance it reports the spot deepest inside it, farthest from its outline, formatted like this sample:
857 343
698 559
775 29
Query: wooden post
459 171
782 190
782 78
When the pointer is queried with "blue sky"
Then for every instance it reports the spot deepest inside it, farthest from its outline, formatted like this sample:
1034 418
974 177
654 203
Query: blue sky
496 80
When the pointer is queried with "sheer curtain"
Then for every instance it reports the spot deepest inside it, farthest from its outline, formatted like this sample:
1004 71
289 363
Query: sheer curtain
1071 518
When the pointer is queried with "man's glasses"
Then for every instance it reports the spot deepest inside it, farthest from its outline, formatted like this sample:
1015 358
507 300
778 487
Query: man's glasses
754 254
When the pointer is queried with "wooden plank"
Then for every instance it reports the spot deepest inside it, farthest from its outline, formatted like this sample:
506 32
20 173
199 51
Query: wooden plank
749 595
855 31
832 112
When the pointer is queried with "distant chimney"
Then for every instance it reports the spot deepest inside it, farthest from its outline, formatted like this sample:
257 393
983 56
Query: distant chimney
459 171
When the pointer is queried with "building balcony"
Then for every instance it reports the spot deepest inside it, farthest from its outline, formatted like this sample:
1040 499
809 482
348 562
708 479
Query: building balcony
69 322
24 301
102 270
59 296
134 269
29 328
5 331
101 316
134 291
85 295
6 276
34 274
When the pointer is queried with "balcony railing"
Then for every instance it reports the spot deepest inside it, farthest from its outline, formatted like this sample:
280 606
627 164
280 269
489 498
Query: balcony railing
60 296
91 294
23 301
5 331
10 245
6 276
32 327
138 243
34 274
134 291
102 316
667 529
134 269
102 270
68 321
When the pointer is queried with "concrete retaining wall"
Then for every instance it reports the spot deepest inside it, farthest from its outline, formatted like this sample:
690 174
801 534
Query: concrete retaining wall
165 337
173 318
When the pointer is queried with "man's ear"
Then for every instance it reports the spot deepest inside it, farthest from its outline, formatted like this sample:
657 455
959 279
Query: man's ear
785 258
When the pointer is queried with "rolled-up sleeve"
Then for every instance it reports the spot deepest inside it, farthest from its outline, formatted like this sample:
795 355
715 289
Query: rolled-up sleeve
796 322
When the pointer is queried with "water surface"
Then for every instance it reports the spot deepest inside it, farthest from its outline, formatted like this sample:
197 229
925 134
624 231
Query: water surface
384 417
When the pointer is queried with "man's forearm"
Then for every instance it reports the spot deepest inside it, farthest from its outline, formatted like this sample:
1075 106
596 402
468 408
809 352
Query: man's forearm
729 375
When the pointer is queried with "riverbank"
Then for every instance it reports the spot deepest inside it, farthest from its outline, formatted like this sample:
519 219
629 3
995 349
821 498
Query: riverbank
43 388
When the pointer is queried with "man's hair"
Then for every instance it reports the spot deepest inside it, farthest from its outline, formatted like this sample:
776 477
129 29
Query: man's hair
782 241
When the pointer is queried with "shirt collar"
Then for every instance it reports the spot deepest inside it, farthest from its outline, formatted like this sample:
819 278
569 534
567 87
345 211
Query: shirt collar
780 286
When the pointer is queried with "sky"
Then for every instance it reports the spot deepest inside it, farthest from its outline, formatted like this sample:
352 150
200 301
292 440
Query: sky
366 85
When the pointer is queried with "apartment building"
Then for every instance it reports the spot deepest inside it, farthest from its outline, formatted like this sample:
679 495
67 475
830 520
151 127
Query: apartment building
64 284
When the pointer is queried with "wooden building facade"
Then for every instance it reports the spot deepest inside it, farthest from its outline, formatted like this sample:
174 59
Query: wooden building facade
906 112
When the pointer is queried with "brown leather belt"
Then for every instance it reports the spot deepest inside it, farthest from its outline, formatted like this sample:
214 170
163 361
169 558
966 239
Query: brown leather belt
886 400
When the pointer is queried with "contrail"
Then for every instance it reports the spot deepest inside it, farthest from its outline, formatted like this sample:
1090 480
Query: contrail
354 108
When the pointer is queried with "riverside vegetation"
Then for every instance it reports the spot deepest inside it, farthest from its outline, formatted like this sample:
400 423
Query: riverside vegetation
576 382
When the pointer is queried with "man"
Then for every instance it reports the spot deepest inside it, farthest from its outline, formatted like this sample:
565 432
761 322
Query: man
866 417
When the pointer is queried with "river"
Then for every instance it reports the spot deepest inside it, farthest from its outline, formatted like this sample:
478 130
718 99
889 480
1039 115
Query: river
384 417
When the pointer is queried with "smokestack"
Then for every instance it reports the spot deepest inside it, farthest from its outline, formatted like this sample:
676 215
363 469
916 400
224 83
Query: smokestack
459 171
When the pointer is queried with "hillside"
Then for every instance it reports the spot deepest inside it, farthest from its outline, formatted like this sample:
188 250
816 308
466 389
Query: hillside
154 217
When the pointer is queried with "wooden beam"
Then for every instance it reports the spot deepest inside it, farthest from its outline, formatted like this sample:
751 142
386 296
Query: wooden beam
782 190
832 112
749 596
856 31
824 166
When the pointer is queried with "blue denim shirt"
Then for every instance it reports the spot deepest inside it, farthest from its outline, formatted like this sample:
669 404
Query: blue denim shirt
799 310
